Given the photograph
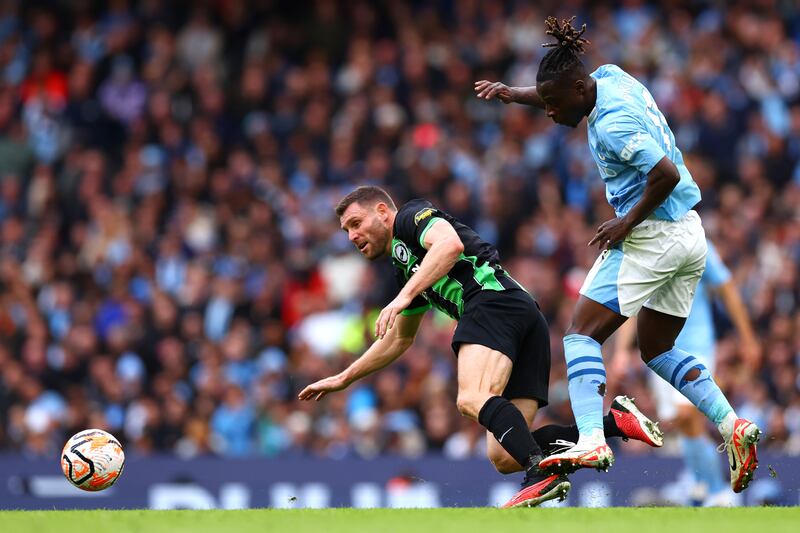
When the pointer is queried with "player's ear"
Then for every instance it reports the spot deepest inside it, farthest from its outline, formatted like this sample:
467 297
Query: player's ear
580 87
382 209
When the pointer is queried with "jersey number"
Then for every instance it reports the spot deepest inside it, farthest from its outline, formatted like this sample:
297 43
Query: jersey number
656 117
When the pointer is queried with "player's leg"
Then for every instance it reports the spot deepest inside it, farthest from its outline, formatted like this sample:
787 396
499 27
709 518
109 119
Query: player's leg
592 324
552 438
697 450
695 442
483 374
657 332
619 283
498 456
624 420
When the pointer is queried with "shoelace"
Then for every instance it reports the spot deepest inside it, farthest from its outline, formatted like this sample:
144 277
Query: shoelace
563 445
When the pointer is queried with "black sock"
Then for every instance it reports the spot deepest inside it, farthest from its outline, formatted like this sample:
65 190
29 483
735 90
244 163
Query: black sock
546 436
506 423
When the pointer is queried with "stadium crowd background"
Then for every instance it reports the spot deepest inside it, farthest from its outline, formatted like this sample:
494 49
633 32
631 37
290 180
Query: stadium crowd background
170 266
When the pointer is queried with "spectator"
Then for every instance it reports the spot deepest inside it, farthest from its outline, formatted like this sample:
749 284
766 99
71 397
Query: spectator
170 266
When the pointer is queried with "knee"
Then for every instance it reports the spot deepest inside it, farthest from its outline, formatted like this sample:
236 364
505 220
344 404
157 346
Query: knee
650 346
576 329
649 350
586 330
502 462
469 404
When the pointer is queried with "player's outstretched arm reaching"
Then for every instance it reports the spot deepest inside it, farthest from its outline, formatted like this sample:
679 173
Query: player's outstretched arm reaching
519 95
530 95
382 353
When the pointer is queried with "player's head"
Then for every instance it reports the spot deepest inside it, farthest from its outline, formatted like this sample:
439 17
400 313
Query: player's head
562 81
367 215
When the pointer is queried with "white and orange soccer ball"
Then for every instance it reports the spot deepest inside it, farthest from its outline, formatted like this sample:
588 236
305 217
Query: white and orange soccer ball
92 460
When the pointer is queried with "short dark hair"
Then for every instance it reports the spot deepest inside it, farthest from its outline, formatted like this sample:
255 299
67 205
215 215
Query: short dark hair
564 58
365 195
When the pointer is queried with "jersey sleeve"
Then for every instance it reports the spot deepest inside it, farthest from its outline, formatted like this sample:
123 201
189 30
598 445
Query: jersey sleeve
418 304
716 272
414 220
630 141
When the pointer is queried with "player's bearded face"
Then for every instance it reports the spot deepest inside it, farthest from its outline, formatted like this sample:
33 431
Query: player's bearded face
377 238
367 230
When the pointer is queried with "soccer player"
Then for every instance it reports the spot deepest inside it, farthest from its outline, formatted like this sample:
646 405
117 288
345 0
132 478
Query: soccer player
698 337
501 340
653 252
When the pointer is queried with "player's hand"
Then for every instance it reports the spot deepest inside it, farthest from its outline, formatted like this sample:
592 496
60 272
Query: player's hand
389 314
322 387
610 233
494 89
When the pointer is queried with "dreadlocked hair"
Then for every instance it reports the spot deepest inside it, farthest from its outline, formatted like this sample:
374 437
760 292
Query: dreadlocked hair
566 51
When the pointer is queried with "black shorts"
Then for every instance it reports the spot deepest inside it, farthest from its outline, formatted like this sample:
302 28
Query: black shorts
510 322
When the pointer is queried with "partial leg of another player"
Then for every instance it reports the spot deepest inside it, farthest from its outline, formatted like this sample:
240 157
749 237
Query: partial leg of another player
482 376
698 450
592 324
657 332
700 454
624 420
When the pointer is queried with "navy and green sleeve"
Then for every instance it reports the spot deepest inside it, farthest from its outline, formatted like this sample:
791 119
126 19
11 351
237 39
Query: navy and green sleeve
414 220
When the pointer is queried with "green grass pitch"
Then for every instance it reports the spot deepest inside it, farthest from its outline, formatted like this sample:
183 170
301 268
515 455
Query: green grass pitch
565 520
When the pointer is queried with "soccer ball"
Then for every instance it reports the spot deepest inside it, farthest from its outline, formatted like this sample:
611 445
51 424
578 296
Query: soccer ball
92 460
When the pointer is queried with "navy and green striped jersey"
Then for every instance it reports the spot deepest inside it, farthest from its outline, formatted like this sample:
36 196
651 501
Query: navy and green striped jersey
478 268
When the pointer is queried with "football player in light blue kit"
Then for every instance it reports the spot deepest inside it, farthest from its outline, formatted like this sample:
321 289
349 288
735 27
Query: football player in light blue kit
653 252
698 337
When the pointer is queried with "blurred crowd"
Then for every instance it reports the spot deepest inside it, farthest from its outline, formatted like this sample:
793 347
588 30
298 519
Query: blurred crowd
171 269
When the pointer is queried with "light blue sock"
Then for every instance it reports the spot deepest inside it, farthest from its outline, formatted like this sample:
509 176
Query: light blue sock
711 466
692 452
701 391
703 461
587 381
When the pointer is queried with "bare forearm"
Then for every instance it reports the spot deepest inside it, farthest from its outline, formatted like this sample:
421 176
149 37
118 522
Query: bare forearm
527 96
660 183
439 260
382 353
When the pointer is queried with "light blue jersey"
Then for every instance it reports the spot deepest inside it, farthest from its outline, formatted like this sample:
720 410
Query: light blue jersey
628 135
697 336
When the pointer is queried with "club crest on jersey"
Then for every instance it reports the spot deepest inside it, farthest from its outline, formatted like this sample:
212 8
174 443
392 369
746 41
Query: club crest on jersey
400 253
422 215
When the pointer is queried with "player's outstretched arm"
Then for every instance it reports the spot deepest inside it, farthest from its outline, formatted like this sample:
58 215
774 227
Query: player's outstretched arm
496 89
380 354
749 347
